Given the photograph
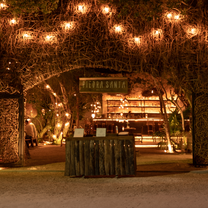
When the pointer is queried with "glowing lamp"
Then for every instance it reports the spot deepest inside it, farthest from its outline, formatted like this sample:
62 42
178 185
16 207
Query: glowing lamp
54 136
47 87
13 21
67 114
82 8
169 15
66 124
176 17
93 115
137 40
58 125
106 10
68 25
193 31
3 6
118 29
54 94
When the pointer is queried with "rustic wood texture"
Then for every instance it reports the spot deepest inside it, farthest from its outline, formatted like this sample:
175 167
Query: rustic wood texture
81 157
76 158
101 157
113 155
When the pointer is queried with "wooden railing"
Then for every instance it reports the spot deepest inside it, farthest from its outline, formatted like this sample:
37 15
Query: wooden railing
100 156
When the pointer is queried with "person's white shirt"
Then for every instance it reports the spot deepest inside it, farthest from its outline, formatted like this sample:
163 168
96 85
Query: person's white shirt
34 130
29 130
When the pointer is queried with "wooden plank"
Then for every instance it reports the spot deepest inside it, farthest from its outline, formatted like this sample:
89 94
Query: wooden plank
112 158
122 157
92 158
81 157
131 157
68 158
107 156
126 147
97 171
87 156
101 157
76 158
117 158
72 163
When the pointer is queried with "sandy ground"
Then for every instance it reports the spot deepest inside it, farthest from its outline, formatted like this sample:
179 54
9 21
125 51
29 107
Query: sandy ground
45 186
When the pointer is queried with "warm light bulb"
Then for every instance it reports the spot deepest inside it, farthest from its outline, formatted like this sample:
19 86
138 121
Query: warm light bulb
118 29
58 125
68 25
67 114
48 37
193 30
47 86
66 124
176 17
106 10
137 40
13 22
3 6
169 15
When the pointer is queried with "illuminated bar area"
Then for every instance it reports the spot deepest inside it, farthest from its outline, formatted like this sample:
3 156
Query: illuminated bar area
131 113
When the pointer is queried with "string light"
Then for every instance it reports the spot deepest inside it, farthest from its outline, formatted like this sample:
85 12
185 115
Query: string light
66 124
13 22
157 34
3 6
82 8
47 87
169 15
106 10
118 29
58 125
192 31
66 114
68 25
50 38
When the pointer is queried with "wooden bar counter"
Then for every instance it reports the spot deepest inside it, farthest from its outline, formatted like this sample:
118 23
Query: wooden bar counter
100 156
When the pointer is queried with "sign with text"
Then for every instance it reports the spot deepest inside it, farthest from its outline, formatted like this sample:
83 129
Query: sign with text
103 85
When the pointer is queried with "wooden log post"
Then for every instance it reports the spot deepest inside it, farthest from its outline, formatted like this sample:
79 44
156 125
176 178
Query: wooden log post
127 161
76 158
92 158
117 158
87 157
97 171
101 157
132 158
81 157
68 158
107 156
122 157
72 157
112 158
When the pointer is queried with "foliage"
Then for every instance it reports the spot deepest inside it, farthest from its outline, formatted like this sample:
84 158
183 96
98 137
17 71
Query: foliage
36 7
175 123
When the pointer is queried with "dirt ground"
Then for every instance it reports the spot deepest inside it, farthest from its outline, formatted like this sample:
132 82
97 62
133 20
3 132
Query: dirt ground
41 183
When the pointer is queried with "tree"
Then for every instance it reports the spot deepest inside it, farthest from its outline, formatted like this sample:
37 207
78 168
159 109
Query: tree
57 104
